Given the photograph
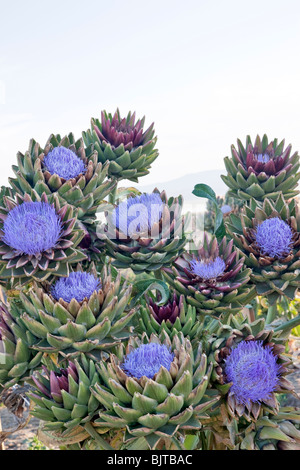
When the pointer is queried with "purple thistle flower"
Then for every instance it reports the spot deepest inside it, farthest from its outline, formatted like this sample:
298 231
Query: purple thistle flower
274 237
65 163
78 285
208 269
147 359
253 370
138 214
32 227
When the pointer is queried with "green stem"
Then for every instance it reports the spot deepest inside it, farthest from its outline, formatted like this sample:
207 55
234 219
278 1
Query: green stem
271 315
93 433
289 325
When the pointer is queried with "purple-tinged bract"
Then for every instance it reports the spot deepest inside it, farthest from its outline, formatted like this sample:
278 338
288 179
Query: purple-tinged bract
253 370
168 312
123 143
116 130
78 285
56 381
32 228
274 237
147 359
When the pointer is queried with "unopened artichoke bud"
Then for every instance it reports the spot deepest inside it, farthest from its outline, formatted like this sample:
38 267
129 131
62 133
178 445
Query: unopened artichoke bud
39 239
173 317
62 396
213 279
145 232
155 388
250 367
78 313
123 142
268 236
64 167
17 359
263 170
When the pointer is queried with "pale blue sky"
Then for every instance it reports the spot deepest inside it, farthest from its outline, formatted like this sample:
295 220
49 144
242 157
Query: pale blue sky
206 72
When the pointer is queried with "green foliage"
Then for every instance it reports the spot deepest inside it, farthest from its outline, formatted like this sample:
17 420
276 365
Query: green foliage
205 191
35 444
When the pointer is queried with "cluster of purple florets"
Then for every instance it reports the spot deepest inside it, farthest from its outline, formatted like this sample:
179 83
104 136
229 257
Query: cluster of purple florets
253 371
208 269
78 285
64 163
274 237
147 359
32 228
138 214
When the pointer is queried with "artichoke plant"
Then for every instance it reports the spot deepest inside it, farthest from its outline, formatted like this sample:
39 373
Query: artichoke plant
62 395
173 317
109 363
267 235
262 170
17 358
129 149
214 279
145 232
64 167
155 388
78 313
39 238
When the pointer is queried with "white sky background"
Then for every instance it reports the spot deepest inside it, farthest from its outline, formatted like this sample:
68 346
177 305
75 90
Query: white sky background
206 72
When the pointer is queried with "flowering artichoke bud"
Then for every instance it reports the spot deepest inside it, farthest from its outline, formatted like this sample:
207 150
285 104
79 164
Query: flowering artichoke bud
66 168
249 367
173 317
154 388
62 396
214 279
268 236
77 313
262 170
145 232
17 359
124 143
39 238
